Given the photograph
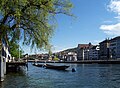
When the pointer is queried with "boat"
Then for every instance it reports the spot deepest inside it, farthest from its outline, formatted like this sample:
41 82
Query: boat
38 65
62 67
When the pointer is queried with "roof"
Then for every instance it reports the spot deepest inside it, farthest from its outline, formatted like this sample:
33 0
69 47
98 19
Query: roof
84 46
116 38
94 47
105 41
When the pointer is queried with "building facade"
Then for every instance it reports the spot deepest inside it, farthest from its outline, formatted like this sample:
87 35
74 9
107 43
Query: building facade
110 49
83 51
115 48
94 53
71 56
104 49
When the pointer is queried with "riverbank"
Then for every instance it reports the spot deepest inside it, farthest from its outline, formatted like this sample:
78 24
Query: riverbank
81 62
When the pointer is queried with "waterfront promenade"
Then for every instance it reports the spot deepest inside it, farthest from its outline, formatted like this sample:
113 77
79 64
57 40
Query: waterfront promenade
81 61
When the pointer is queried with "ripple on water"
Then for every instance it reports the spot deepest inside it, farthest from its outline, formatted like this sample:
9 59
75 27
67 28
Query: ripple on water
86 76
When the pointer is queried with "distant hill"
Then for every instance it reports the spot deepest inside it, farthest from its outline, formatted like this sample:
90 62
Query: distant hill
70 50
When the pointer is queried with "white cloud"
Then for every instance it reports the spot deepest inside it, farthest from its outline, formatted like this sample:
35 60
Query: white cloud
96 42
107 21
117 17
113 29
114 6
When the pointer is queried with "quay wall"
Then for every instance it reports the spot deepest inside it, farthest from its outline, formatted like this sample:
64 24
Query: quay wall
81 62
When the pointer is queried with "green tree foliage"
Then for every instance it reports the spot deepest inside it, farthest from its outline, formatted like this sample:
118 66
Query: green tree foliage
55 58
15 50
31 21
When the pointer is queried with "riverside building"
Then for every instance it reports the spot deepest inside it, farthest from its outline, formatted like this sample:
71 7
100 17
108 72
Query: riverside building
94 53
110 48
104 49
83 51
115 48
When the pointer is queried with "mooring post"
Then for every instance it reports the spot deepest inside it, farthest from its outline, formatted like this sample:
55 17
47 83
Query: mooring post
1 63
4 65
1 69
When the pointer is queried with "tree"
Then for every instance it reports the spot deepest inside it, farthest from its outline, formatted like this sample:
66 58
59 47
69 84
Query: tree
15 50
30 21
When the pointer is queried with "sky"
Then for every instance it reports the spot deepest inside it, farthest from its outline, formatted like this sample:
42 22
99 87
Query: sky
95 20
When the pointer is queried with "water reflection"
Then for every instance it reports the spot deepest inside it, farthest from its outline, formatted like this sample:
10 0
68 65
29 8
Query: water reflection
86 76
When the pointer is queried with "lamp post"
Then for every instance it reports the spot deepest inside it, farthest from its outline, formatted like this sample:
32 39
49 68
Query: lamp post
19 52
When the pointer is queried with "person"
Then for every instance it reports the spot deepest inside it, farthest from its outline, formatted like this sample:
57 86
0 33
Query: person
73 70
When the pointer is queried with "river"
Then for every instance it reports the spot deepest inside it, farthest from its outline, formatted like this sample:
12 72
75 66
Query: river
86 76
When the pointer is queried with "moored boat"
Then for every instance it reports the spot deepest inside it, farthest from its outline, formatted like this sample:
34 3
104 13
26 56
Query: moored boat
62 67
38 65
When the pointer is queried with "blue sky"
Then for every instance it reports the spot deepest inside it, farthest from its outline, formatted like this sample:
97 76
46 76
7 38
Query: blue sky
95 20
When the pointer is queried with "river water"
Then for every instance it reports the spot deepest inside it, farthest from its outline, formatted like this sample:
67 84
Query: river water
86 76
